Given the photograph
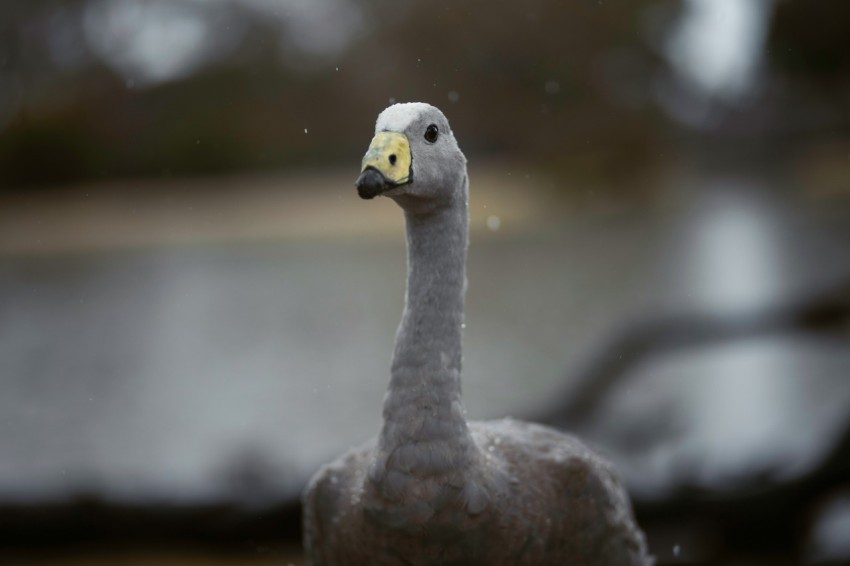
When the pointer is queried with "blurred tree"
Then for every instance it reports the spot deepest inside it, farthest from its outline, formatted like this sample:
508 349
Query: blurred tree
809 41
545 80
809 53
564 85
541 80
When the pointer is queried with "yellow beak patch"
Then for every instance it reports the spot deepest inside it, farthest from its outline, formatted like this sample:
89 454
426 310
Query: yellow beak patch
389 153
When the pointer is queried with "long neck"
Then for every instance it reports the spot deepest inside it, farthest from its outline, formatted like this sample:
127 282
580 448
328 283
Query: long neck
429 336
424 430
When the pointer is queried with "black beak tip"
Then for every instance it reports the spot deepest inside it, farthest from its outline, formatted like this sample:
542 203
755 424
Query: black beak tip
371 183
364 194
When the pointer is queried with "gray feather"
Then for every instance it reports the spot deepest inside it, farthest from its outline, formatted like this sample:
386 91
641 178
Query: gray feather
434 489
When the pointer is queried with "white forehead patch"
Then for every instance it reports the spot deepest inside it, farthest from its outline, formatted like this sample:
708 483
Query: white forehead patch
398 116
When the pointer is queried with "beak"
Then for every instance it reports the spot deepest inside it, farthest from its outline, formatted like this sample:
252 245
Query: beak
387 164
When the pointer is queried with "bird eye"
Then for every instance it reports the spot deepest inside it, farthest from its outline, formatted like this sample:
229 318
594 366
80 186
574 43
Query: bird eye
431 133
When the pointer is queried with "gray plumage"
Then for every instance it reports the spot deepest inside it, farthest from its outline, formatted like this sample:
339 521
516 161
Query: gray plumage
432 488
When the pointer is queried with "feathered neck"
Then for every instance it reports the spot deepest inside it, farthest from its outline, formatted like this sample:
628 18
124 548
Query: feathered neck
424 431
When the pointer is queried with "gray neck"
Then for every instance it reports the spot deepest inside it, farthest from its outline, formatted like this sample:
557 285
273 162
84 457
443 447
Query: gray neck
429 336
424 430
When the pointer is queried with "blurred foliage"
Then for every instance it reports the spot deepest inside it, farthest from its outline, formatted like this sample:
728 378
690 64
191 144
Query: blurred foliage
809 41
534 79
551 83
809 54
539 79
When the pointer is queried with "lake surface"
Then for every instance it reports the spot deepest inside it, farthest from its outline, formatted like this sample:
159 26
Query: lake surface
232 370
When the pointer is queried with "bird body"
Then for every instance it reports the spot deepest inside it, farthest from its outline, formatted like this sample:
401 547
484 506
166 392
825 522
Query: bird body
433 488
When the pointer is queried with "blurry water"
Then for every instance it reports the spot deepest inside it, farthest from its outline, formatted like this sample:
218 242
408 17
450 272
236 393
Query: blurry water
170 373
723 416
732 253
830 538
155 373
234 371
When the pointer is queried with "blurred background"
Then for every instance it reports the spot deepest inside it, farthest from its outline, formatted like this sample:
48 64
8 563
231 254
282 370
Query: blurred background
196 311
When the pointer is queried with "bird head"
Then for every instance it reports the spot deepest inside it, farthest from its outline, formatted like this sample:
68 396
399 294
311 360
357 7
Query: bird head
413 158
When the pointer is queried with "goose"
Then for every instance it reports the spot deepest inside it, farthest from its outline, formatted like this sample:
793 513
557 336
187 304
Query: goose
433 488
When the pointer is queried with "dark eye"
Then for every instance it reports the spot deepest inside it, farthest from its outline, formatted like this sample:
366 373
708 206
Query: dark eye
431 133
